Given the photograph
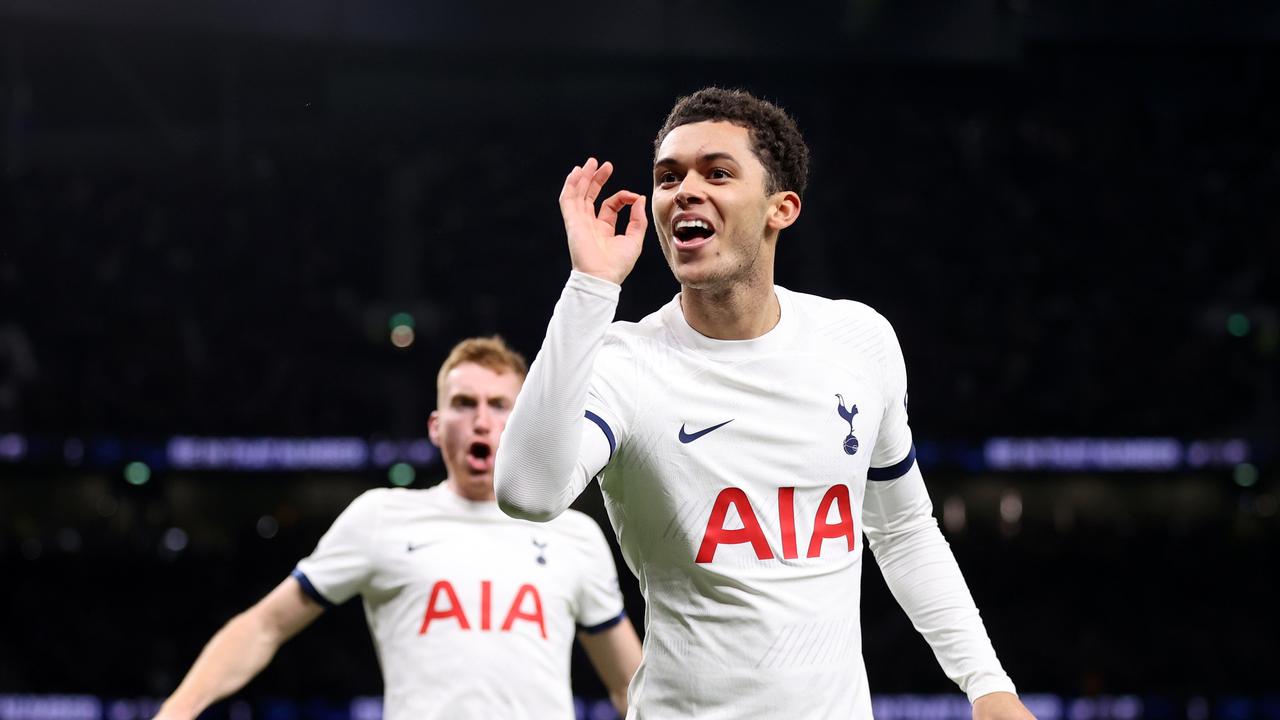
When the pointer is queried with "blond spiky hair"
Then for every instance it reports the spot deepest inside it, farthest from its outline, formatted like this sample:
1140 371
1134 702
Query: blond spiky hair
490 352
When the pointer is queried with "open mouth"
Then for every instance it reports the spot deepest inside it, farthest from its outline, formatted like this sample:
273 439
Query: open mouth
691 232
480 457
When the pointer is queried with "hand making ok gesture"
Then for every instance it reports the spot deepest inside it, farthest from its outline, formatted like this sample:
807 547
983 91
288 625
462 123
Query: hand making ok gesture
595 247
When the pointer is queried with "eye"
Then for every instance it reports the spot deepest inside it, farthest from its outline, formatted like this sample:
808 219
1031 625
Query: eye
719 174
667 178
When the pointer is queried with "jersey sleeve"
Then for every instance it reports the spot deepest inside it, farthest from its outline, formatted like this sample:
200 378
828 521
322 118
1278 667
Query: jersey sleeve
925 579
599 605
342 563
894 453
610 393
553 445
912 553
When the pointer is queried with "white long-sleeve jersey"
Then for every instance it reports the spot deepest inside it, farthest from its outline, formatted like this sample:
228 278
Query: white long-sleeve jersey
740 478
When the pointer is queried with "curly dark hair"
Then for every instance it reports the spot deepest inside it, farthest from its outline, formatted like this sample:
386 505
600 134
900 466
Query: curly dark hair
775 139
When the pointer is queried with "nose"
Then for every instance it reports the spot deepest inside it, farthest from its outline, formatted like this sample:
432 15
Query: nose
484 419
689 193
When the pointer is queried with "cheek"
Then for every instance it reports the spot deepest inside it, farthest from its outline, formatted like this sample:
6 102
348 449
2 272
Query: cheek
751 219
663 239
499 424
661 208
454 434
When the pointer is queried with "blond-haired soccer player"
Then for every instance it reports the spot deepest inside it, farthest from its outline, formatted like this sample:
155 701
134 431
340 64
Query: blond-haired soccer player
473 613
746 438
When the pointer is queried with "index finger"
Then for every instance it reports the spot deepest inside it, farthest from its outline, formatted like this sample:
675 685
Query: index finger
610 208
598 179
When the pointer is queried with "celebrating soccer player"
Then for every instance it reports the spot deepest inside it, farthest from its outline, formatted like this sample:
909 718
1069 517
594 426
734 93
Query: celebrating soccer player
473 613
746 438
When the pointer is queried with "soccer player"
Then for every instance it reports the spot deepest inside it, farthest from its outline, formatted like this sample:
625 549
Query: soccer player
472 612
746 438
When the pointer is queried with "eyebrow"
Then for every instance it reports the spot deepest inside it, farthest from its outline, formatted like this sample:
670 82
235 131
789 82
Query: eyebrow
502 397
709 157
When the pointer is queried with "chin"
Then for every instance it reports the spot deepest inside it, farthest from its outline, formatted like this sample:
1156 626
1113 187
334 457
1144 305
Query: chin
699 279
691 273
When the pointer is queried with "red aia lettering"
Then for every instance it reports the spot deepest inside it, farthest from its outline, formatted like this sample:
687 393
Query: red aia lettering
515 613
717 534
455 607
787 519
452 608
486 601
843 527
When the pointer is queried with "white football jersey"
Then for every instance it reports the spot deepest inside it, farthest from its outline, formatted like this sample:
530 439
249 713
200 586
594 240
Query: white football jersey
473 613
740 478
736 489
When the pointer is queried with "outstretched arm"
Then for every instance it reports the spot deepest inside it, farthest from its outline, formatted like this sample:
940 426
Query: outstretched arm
549 452
241 649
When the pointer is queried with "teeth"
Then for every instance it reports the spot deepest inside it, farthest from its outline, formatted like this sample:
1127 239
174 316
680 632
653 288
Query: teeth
683 224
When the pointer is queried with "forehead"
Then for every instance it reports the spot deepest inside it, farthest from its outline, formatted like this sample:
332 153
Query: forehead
687 143
479 381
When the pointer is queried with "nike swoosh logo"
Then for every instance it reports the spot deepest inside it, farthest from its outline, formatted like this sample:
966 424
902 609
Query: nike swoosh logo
690 437
410 547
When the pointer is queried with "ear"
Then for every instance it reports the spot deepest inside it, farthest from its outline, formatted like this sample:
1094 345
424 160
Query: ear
433 427
784 210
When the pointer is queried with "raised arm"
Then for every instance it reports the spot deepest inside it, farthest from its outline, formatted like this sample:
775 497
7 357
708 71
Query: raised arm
549 450
595 248
241 649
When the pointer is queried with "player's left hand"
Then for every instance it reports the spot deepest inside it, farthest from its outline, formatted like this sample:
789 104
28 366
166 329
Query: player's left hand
1000 706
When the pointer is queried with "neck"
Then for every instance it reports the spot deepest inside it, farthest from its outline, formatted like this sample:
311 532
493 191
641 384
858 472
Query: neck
474 494
741 311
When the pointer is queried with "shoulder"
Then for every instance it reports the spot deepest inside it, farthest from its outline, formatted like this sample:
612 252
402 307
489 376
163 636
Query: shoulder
848 329
839 319
833 308
626 342
379 505
371 501
647 330
359 523
363 514
399 497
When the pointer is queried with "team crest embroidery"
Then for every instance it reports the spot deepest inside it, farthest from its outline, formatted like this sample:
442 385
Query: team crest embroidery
850 442
542 551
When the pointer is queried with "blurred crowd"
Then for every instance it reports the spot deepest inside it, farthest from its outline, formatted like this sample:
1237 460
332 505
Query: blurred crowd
1063 249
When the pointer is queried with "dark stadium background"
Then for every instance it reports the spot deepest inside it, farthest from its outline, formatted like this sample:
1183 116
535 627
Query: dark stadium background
212 213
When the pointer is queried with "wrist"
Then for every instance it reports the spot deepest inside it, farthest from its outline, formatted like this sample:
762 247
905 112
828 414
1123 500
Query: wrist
1000 705
601 275
595 284
173 709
